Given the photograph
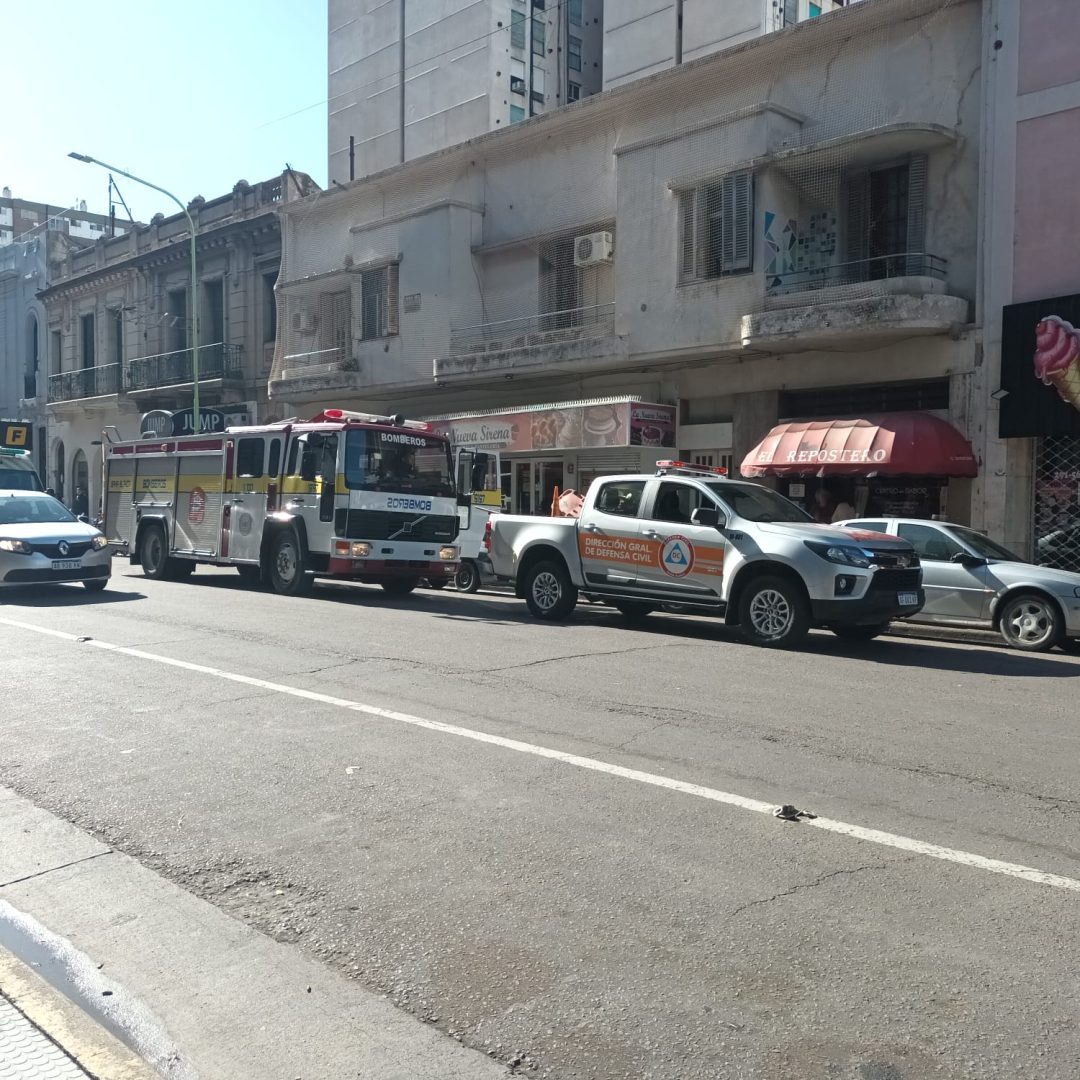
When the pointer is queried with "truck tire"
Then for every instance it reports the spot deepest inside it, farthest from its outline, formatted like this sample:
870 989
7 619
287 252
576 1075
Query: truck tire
286 571
860 633
634 611
400 586
154 553
467 578
549 592
773 612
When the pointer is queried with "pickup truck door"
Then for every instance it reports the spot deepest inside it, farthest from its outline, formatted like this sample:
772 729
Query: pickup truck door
687 562
608 541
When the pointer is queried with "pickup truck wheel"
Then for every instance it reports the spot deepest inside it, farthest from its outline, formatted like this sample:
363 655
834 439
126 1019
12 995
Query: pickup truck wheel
1031 623
860 633
400 586
287 574
633 610
468 577
773 612
549 592
153 554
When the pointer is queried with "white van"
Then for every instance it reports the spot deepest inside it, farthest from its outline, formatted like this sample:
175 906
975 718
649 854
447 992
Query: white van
17 471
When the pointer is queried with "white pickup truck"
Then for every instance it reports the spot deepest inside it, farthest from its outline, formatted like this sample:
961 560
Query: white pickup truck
714 546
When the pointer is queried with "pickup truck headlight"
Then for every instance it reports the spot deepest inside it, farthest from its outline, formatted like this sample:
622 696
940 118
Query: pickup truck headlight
99 542
844 554
20 547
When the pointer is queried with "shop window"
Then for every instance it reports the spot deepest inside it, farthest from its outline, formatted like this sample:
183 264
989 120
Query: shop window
716 223
929 543
620 497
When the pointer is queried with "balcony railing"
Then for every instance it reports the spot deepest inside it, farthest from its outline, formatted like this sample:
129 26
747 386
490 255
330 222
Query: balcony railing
532 331
880 268
85 383
217 361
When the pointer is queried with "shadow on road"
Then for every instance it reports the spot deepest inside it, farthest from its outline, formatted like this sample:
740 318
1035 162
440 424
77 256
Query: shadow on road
69 595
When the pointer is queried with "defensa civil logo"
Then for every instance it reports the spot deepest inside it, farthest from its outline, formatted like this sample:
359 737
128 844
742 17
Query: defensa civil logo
408 502
677 556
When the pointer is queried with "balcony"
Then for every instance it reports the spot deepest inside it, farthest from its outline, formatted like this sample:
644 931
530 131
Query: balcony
218 362
91 382
580 336
861 304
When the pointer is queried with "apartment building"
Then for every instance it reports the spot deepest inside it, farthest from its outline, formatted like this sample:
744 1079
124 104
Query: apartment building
30 233
777 232
642 37
117 325
406 79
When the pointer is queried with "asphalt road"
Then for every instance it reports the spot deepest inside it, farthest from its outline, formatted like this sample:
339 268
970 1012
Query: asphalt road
582 922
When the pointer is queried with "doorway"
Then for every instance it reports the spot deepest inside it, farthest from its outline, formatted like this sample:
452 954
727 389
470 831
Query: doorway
80 484
534 485
59 470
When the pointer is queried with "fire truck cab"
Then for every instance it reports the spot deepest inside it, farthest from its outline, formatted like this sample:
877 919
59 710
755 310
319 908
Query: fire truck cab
345 495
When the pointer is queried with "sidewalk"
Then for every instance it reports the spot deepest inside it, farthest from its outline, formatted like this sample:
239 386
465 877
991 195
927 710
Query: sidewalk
44 1036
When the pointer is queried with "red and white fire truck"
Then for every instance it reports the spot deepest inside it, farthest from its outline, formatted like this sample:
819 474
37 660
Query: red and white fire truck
343 495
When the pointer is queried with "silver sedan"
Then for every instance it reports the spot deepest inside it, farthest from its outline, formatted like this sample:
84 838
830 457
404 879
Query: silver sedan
41 542
973 582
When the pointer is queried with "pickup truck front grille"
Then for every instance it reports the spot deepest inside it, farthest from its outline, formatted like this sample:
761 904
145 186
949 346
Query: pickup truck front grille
895 559
901 580
383 525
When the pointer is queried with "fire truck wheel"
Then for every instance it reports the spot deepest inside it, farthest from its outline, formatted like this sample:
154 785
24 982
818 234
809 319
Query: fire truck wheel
287 574
400 586
153 553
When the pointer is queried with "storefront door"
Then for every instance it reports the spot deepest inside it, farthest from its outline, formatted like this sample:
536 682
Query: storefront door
535 482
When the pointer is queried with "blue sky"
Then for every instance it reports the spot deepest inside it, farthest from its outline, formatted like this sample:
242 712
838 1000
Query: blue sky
191 96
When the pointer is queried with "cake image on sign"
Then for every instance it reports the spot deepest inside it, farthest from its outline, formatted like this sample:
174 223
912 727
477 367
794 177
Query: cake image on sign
601 426
1057 357
677 556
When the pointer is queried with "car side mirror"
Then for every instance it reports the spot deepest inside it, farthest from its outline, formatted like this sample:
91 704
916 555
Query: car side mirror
707 516
965 558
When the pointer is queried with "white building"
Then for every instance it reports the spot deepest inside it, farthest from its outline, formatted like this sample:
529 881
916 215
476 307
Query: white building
778 231
406 79
642 37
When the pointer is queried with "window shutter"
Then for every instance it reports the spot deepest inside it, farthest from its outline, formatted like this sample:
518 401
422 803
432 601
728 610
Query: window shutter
741 227
858 217
687 221
391 319
916 221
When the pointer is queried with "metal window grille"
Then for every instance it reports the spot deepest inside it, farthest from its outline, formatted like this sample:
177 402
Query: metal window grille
1057 503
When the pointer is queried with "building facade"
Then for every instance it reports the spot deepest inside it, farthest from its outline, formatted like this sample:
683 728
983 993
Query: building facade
117 325
31 232
407 79
774 232
642 37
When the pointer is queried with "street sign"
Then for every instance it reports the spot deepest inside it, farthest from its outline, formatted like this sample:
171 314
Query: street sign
210 420
16 435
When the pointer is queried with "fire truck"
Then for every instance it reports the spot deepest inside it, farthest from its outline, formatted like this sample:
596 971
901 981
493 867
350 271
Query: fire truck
344 495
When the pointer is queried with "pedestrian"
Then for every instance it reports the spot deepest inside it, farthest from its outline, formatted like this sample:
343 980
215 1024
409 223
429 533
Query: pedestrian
823 506
80 504
844 511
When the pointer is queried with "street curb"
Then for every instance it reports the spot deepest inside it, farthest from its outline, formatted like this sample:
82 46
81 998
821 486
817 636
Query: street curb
86 1042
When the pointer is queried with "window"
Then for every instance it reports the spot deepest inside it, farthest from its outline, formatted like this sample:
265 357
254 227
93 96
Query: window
249 457
56 352
815 11
379 302
390 461
929 543
114 329
538 28
676 502
983 546
517 114
574 9
335 324
620 497
291 467
573 53
87 334
517 76
517 29
269 307
868 526
756 503
275 458
717 228
573 92
213 312
886 220
538 85
176 320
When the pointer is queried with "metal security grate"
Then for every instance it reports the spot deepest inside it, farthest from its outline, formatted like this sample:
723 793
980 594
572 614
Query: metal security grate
1057 503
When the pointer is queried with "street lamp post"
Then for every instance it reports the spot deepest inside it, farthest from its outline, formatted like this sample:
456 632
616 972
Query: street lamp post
194 279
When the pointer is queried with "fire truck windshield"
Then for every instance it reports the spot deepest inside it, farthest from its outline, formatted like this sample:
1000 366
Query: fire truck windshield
403 461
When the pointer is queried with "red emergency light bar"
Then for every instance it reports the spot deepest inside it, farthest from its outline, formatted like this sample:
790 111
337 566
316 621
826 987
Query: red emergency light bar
686 467
344 415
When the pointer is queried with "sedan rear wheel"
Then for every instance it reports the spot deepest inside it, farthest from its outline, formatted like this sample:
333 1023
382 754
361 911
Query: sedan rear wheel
1031 622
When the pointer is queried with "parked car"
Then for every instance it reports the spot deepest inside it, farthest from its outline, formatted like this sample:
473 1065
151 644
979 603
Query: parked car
17 471
971 581
1060 548
41 542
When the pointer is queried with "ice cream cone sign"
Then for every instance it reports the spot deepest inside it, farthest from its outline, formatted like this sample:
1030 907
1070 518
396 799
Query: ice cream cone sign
1057 357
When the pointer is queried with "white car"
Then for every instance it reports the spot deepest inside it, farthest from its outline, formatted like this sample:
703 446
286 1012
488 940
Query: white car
42 542
971 581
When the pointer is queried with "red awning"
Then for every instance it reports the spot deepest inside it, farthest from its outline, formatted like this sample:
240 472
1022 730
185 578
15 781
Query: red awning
888 444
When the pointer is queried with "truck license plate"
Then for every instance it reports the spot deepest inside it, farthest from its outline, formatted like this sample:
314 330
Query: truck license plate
907 599
67 564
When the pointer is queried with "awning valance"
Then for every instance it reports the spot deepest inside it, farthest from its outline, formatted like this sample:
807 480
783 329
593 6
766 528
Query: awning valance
886 444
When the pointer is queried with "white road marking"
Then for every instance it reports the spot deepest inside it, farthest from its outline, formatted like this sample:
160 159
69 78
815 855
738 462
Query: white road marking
858 832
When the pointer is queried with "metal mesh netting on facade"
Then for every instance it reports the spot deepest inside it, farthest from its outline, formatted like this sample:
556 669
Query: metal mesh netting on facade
659 222
1057 503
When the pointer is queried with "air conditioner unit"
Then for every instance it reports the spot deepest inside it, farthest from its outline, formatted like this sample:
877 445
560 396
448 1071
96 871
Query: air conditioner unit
593 249
303 321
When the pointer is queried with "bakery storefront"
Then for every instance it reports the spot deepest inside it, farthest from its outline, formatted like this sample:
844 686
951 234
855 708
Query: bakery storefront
564 445
1040 400
888 465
